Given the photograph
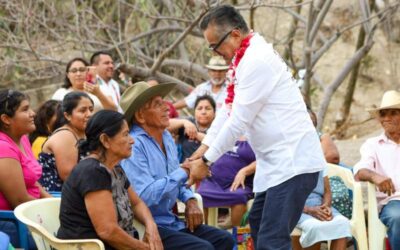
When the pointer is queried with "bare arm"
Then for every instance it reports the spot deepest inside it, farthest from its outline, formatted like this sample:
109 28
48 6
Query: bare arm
330 150
12 184
176 123
180 104
327 198
199 152
63 146
43 193
143 214
101 210
384 183
242 174
106 101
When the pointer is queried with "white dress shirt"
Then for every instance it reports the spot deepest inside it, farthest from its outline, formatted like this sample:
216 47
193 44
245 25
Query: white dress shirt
269 109
206 88
62 92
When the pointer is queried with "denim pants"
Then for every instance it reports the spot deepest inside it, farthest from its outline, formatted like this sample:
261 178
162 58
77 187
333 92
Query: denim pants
275 212
390 216
203 238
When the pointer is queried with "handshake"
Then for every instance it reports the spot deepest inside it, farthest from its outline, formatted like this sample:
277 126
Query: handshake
196 169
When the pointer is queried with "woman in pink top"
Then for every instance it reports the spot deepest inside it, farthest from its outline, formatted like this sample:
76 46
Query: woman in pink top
19 170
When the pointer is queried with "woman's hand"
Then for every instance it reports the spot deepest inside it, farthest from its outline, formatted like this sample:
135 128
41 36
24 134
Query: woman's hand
322 213
239 180
91 88
152 237
190 129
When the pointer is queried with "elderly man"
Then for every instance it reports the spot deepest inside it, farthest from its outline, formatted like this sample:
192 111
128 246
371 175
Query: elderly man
105 71
156 175
380 164
215 87
267 106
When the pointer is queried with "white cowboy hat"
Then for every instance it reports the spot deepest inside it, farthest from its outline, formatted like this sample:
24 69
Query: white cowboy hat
390 100
217 63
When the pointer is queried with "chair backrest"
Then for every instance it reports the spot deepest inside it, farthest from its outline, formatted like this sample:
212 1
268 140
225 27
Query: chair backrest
376 229
42 218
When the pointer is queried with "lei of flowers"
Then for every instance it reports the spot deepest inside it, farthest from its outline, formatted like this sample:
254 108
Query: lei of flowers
239 53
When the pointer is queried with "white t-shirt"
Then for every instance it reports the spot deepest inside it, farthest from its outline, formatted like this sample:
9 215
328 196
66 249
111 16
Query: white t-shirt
61 92
111 89
206 88
269 109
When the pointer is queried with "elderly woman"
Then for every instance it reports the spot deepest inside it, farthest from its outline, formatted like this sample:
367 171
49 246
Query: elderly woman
75 80
97 200
60 153
19 170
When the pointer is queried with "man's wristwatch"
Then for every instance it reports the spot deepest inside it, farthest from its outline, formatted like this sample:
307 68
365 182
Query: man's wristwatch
206 161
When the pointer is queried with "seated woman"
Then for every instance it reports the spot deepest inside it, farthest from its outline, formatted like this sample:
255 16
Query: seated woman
189 136
44 122
75 80
321 222
19 170
231 181
97 200
60 152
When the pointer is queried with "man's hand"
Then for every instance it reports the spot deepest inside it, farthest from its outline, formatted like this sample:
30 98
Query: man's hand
190 130
152 237
193 215
384 184
198 171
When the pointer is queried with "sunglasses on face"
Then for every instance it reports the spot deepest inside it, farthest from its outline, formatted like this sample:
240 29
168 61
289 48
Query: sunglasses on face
75 70
389 112
214 47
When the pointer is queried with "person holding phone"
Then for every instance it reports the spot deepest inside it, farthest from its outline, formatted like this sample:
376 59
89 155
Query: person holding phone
77 75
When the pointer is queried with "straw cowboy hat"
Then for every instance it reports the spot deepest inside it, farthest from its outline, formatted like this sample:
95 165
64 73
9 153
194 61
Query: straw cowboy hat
390 100
139 93
217 63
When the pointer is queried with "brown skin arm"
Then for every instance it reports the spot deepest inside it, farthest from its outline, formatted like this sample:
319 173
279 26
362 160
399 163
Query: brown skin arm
143 214
242 174
12 184
101 210
330 150
199 152
384 183
323 212
180 104
193 215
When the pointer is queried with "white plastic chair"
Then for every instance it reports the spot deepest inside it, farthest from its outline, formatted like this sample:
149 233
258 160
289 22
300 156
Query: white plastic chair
376 229
213 213
42 219
357 222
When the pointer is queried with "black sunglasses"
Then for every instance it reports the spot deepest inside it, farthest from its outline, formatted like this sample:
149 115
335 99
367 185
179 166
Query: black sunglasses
216 46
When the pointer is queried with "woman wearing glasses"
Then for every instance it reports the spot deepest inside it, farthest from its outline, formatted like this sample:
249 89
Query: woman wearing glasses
75 80
19 170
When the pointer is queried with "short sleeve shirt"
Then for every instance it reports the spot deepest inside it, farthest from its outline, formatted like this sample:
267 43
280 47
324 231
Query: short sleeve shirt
31 169
89 176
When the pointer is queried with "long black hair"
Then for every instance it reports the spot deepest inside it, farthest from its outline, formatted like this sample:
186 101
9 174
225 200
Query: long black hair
43 116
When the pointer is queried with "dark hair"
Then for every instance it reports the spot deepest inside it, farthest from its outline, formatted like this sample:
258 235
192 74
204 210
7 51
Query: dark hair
69 103
224 17
67 83
207 98
43 116
9 102
96 56
103 122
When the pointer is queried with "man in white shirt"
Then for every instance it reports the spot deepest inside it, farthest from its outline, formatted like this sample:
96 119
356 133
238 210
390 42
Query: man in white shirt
105 71
215 87
268 107
380 164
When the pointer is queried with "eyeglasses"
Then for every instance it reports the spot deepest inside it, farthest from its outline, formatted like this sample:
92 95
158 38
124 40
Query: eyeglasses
75 70
10 92
214 47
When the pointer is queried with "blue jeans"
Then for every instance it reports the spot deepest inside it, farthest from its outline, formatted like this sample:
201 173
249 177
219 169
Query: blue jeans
11 230
275 212
203 238
390 216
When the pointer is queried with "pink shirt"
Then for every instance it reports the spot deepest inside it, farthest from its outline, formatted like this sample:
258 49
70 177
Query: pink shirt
30 167
382 155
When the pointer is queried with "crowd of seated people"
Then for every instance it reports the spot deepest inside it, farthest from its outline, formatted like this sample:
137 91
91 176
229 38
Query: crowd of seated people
114 158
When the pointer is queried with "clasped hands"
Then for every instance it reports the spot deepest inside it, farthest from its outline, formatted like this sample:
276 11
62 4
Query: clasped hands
196 169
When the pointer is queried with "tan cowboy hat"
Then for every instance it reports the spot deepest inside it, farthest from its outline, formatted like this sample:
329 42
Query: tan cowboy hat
139 93
390 100
217 63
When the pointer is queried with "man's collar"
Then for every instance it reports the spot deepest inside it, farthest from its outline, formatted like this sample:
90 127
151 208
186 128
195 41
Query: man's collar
140 131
